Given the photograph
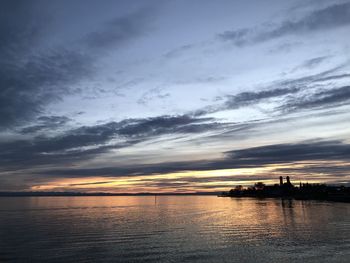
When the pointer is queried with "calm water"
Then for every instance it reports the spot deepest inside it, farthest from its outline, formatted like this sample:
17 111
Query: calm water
172 229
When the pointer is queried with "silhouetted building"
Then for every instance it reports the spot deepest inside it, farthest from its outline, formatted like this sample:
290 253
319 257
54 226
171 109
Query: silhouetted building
288 180
287 190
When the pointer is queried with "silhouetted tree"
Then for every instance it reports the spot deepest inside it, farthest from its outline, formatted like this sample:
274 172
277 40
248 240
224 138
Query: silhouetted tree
259 186
238 188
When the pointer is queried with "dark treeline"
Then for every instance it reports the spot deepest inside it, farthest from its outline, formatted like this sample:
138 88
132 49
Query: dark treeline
304 191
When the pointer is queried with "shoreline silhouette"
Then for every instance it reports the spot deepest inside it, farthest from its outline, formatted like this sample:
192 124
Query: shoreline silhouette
304 191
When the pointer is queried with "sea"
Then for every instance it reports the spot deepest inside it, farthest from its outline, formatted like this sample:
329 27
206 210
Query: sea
172 229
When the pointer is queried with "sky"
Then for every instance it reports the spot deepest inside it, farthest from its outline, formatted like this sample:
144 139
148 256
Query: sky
173 96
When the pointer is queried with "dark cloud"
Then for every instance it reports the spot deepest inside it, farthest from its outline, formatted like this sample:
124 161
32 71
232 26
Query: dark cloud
239 37
26 87
311 63
90 141
288 92
324 170
321 152
322 99
212 179
23 154
289 153
318 157
178 51
247 98
334 77
94 183
46 123
120 30
19 28
165 125
33 76
152 94
333 16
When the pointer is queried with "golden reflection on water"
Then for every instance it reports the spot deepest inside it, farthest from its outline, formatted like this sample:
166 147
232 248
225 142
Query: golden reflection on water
173 228
244 212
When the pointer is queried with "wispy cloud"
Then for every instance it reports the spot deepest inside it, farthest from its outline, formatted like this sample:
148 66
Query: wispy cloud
322 99
333 16
89 141
46 123
289 92
319 152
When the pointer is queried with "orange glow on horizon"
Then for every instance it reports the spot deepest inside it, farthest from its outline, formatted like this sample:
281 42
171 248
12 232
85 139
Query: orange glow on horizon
189 181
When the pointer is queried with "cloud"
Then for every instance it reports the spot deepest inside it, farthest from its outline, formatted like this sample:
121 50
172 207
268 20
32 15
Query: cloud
289 92
32 75
46 123
19 28
190 180
247 98
178 51
331 170
90 141
153 94
288 153
239 37
25 154
333 77
120 30
165 125
311 63
28 87
322 99
320 152
333 16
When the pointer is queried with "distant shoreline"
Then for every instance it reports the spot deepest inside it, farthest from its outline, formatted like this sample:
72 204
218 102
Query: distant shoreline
77 194
337 200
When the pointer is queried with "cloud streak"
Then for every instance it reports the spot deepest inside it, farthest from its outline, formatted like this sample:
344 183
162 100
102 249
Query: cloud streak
89 141
323 99
290 94
256 157
333 16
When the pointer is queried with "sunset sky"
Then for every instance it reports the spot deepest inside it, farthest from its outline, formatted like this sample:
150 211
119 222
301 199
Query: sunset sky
173 96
